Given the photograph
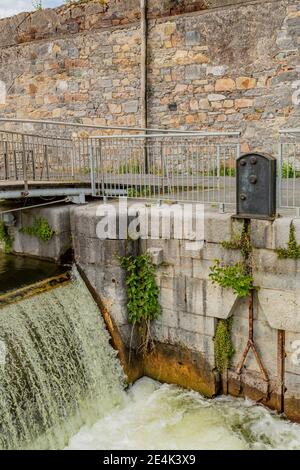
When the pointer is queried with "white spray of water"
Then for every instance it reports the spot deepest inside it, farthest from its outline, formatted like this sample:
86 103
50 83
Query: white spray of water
155 416
60 371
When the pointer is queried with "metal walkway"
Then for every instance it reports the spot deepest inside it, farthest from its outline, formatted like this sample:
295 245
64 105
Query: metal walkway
70 160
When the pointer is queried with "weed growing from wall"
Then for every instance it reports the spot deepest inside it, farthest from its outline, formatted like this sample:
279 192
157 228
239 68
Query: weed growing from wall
240 241
142 294
232 277
40 229
5 237
293 248
237 277
224 349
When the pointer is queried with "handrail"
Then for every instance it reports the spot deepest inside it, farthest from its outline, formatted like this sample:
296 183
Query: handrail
64 139
152 136
295 130
94 126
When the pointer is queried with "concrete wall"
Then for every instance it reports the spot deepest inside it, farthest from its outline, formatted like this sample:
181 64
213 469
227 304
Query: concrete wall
192 305
216 64
58 247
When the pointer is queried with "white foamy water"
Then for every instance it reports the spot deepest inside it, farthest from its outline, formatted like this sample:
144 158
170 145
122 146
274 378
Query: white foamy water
59 371
155 416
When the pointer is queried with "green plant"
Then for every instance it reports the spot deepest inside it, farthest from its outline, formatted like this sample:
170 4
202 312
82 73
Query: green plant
142 295
37 4
131 167
224 170
40 229
240 241
287 170
293 248
5 237
143 191
233 277
224 349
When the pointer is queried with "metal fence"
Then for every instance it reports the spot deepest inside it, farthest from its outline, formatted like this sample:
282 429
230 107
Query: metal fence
195 167
288 175
27 157
175 165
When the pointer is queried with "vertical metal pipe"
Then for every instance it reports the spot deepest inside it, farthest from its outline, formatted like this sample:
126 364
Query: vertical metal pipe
144 116
281 368
144 63
24 164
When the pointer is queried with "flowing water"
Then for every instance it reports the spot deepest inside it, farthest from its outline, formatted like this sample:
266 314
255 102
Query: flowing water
61 386
57 368
155 416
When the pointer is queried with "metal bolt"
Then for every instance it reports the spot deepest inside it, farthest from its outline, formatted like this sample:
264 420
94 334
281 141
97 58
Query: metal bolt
253 160
243 196
253 179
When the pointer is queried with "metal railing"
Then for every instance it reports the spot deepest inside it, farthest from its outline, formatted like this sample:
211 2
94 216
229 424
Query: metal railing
288 173
196 167
28 157
174 165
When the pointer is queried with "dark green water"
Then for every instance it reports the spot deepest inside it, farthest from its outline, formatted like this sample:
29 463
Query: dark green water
20 271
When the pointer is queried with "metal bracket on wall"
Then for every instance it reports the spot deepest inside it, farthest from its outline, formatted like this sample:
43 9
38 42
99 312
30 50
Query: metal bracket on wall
252 346
77 199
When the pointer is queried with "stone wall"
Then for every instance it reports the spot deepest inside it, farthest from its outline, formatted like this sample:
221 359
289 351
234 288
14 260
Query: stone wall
211 65
191 303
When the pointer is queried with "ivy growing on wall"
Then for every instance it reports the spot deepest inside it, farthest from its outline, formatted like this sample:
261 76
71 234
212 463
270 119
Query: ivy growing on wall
224 349
293 248
142 294
40 229
5 237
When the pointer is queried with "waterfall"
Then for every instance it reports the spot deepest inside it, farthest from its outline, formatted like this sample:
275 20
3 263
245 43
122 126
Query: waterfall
57 368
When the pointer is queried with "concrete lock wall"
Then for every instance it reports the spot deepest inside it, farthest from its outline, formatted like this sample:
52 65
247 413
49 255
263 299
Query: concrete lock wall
217 64
191 303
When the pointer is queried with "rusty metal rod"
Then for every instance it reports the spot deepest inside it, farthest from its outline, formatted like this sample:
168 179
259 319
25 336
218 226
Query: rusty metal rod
281 367
251 344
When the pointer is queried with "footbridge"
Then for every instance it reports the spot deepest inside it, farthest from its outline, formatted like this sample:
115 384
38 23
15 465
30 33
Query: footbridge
47 159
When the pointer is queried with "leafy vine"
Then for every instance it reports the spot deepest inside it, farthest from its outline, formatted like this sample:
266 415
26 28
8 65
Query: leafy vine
143 296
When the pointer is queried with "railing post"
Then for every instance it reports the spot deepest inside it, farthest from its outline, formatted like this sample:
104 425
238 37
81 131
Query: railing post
24 165
279 173
92 167
6 167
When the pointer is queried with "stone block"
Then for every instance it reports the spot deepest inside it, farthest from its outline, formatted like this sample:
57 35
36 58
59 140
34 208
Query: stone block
169 318
160 332
131 106
201 269
281 308
274 273
217 227
220 303
192 38
282 230
194 296
197 323
195 72
262 234
156 255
